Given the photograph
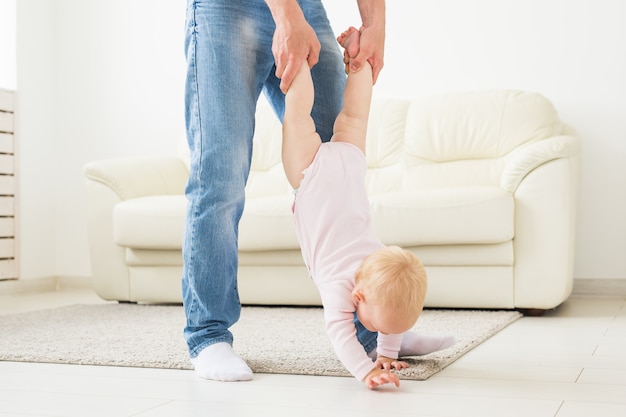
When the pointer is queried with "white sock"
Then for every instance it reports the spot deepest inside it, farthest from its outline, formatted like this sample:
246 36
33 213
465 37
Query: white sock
219 362
417 344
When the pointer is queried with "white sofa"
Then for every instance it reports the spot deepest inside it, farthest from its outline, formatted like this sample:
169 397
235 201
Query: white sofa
482 186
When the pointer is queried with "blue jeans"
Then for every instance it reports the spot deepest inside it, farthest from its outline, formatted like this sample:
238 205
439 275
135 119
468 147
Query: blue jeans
367 339
229 62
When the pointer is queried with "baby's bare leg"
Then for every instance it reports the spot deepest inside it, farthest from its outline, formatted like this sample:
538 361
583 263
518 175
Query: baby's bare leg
300 140
351 123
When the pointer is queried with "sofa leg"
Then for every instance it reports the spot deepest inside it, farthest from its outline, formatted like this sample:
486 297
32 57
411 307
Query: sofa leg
532 312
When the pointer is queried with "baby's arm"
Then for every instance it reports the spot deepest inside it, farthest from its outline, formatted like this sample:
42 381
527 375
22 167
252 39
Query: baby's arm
339 317
300 140
342 335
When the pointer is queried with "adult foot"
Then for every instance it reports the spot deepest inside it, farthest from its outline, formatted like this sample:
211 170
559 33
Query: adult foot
416 344
220 363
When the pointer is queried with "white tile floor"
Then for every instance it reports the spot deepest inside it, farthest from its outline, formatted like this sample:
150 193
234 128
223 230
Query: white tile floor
569 363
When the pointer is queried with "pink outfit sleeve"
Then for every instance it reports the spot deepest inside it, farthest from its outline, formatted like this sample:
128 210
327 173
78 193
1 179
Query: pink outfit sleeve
389 345
339 316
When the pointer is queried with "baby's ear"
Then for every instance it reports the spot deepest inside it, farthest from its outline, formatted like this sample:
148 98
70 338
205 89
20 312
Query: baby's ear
357 296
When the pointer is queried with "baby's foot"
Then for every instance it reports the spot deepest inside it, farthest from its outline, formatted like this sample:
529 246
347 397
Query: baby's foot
350 41
416 344
220 363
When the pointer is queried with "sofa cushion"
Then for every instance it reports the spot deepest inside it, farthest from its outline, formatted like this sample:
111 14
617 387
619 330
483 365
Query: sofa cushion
468 215
441 216
153 222
267 224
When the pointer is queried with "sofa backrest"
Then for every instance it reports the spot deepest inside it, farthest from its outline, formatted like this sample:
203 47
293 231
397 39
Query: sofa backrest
445 140
453 139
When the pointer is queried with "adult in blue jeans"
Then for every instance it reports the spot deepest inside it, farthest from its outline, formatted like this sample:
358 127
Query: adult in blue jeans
235 50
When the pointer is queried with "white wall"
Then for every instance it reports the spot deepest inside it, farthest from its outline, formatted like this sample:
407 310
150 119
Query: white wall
103 78
572 51
96 79
8 66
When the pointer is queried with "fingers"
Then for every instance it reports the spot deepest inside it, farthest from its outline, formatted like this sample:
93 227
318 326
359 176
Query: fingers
399 365
377 66
281 64
372 47
287 74
383 378
286 69
314 55
346 61
383 362
357 63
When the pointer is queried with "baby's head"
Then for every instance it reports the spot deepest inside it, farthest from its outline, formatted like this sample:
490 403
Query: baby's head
389 290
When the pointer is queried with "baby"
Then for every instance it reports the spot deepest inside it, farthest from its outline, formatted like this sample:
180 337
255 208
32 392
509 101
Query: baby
372 294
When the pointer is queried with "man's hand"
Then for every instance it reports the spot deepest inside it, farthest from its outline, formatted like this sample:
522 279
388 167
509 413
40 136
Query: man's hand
294 41
372 50
372 37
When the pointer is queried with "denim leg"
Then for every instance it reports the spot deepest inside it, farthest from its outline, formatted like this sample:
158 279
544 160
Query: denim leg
228 51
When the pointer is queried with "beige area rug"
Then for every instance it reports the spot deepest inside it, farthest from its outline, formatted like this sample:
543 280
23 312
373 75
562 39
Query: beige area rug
271 339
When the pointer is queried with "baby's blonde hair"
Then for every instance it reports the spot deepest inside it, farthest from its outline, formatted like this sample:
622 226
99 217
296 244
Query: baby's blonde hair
394 278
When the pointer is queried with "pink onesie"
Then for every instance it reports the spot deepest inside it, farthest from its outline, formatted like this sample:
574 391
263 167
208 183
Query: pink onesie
334 226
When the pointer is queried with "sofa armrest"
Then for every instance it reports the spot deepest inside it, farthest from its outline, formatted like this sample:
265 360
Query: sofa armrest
526 158
546 206
132 177
109 182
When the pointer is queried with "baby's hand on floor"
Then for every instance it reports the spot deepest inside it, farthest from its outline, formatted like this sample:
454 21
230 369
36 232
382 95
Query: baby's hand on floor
377 377
382 374
383 362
